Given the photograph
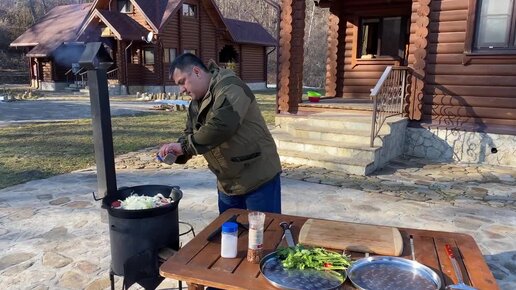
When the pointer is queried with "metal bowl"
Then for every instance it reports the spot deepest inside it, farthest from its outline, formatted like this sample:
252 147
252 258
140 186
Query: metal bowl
293 279
392 273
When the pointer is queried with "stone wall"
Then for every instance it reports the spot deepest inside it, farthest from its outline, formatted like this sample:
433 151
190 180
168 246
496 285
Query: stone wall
442 144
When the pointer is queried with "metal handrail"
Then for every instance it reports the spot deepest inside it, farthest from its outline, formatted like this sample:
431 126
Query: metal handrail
112 74
67 73
388 98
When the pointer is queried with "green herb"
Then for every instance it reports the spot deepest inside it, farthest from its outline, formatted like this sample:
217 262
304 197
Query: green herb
300 257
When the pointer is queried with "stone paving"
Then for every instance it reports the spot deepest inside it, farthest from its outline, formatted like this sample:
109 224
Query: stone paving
52 234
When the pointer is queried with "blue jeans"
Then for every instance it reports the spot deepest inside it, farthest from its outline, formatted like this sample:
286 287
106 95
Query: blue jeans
266 198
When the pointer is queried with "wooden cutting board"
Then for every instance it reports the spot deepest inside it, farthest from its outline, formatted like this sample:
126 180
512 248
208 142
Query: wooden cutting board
364 238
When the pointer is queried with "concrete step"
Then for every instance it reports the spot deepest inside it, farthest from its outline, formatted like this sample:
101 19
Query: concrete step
286 141
71 89
361 137
349 120
343 164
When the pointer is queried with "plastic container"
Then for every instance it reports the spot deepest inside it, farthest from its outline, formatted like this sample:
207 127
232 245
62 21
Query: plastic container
169 159
255 245
229 240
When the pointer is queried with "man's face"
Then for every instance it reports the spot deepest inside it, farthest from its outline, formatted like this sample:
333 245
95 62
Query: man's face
192 81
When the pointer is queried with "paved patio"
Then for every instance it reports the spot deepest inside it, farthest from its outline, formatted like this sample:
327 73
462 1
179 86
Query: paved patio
53 236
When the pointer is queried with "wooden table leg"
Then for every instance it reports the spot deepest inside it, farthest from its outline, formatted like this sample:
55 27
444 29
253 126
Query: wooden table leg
192 286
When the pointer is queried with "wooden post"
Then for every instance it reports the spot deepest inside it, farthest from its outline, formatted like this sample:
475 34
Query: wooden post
291 55
331 60
417 82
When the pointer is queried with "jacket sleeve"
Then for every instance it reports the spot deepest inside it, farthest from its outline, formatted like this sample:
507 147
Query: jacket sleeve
229 110
182 139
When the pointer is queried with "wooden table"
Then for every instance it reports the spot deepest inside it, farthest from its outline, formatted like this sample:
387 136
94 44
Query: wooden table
199 262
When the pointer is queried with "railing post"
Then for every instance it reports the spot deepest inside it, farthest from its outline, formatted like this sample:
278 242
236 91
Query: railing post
373 123
403 73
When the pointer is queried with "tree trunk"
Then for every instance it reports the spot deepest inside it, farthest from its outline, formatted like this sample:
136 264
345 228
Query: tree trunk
32 11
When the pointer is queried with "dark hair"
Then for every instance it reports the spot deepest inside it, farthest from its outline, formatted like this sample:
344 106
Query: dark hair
186 61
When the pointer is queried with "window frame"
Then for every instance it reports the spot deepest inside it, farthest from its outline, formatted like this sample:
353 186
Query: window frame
193 9
166 54
403 24
470 50
144 59
129 5
190 50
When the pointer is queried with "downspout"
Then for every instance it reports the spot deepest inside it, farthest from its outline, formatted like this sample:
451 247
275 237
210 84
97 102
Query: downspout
162 59
267 65
126 78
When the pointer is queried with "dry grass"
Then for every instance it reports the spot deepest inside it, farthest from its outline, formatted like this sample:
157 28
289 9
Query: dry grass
36 151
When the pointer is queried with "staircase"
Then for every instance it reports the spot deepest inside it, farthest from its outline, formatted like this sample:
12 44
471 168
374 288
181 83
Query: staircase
74 87
338 140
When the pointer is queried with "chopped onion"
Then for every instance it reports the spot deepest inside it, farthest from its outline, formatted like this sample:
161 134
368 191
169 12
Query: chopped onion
136 202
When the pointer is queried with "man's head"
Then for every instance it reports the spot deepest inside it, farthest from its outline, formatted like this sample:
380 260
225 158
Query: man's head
191 75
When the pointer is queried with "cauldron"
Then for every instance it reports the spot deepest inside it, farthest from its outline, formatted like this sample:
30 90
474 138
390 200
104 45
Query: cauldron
138 235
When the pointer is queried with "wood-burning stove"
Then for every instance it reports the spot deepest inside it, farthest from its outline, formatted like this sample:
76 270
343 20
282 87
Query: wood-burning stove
136 236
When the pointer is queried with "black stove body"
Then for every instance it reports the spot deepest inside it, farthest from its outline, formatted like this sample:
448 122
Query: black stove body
136 236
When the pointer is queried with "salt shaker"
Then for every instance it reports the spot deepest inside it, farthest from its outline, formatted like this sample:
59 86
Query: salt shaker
255 247
169 159
229 240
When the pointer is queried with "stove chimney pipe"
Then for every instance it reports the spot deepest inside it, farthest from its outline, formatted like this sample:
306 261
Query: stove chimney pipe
96 60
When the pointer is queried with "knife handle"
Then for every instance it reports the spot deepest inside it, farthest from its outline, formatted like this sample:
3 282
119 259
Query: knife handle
449 251
455 264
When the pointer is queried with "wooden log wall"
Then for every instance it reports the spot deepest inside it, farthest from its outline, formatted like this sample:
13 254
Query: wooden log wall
46 69
170 38
462 90
208 35
252 63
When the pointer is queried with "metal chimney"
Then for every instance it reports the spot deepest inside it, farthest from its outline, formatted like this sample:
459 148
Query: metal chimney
96 60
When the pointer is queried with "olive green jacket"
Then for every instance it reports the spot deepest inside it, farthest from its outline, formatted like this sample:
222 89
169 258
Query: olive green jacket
228 129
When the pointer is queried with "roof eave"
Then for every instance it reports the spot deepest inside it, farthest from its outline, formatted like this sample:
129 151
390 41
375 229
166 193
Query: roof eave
22 44
156 30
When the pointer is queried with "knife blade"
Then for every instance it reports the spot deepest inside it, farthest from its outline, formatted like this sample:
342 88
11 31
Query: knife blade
288 234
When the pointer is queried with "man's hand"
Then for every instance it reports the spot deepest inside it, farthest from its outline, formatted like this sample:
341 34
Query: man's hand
174 148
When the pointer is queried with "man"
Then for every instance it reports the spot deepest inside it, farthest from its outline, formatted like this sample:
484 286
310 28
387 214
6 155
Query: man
225 125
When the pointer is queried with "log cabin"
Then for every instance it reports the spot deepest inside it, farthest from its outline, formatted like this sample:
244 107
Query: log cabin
450 65
142 37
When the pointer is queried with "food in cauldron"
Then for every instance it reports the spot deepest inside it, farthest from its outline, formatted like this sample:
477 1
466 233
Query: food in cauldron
137 202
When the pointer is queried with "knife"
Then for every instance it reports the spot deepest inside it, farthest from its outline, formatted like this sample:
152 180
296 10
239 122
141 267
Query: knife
288 234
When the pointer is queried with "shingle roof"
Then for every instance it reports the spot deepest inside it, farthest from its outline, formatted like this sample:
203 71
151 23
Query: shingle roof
57 26
125 26
249 32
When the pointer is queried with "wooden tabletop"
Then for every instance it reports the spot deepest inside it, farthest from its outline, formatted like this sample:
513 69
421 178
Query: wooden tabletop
199 263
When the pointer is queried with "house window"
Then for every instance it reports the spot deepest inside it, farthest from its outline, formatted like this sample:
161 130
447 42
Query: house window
192 51
495 25
125 6
169 54
382 37
133 56
148 56
189 10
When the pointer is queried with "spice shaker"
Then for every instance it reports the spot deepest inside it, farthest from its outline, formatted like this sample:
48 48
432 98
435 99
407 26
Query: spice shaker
255 247
229 240
169 159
